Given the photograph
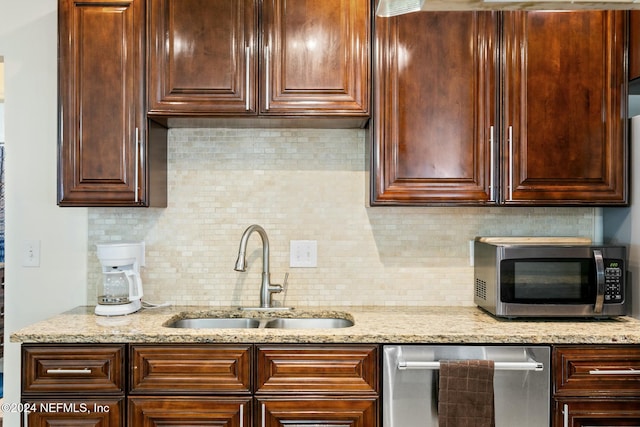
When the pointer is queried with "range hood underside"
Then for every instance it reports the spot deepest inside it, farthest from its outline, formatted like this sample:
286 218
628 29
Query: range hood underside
400 7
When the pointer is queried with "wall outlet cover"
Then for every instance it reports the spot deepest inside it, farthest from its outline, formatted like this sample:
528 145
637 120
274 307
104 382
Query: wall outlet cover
303 253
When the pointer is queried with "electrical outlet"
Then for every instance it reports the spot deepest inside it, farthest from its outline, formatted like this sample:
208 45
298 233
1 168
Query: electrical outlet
303 253
31 253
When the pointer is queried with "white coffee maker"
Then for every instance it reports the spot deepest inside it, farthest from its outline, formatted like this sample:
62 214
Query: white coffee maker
120 291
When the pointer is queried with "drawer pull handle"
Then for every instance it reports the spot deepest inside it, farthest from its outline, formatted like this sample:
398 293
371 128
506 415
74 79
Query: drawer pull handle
267 77
629 371
511 183
247 72
136 171
492 184
85 371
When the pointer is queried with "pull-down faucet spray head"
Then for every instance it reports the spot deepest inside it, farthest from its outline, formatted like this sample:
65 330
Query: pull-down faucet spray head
241 262
266 288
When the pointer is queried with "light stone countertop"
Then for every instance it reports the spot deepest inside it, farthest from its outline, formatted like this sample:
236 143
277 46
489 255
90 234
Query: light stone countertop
444 325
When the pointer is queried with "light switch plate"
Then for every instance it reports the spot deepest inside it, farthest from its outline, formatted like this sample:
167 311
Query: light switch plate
31 253
303 253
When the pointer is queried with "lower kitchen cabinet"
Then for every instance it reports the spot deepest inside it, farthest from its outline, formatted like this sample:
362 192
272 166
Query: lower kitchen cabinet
190 384
74 412
192 411
317 385
322 412
212 384
597 412
275 385
73 385
596 386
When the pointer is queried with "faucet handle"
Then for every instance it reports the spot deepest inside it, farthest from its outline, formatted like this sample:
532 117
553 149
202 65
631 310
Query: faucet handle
285 287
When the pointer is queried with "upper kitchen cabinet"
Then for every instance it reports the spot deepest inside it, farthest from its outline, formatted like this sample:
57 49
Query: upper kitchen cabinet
202 57
634 44
565 108
434 108
514 108
109 155
276 58
315 57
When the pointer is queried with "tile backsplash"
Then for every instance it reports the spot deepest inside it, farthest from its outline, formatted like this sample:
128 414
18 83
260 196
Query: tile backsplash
303 184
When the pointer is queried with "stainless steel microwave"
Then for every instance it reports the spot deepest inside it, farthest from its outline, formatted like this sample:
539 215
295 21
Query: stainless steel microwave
549 278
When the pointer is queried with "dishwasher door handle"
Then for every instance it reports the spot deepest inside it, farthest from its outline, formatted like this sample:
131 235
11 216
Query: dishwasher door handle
500 366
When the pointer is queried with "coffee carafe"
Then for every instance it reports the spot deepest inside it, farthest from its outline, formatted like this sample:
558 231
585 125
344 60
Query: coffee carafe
120 290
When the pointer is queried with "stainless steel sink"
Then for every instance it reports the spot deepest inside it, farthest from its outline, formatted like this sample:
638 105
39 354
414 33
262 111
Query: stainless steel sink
216 323
269 322
308 323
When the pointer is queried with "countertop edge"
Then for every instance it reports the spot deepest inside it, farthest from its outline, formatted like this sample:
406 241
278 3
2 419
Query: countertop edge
373 325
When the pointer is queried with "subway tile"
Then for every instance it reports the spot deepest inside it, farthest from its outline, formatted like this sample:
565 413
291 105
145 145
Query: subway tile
303 184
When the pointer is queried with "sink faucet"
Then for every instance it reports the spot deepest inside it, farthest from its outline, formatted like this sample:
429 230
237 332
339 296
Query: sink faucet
266 288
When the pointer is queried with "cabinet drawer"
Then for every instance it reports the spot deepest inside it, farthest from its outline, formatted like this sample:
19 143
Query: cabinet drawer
170 369
589 371
311 369
72 369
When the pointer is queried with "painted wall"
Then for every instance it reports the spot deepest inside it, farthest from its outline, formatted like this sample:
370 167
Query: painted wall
634 105
1 79
28 32
622 225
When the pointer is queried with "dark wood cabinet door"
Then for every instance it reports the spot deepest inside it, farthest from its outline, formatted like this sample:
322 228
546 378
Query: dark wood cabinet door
565 127
89 412
634 44
596 412
320 412
434 116
101 94
202 57
315 57
189 411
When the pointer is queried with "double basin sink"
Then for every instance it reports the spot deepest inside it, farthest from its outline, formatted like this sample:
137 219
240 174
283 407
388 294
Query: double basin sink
222 322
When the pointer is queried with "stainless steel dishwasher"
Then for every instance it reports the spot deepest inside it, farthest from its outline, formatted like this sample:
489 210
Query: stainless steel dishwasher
521 383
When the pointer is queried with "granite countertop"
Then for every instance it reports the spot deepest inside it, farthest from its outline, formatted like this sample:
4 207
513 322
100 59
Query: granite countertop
446 325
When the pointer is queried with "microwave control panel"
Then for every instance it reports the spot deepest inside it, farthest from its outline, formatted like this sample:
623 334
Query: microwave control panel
613 280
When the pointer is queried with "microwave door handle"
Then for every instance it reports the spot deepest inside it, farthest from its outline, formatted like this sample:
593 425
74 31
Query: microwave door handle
597 255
